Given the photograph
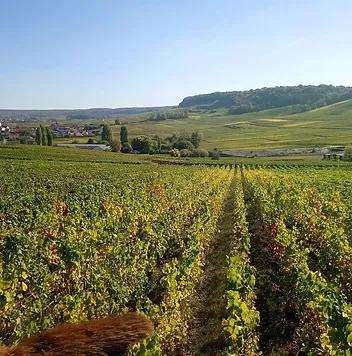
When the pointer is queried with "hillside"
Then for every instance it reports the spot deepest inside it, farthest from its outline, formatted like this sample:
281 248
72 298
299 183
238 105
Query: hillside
274 128
79 114
302 97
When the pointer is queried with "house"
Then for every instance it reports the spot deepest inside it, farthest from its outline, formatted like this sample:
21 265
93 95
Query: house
74 130
4 132
61 131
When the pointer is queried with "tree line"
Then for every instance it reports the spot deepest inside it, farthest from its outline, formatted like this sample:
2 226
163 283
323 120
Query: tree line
182 144
168 115
44 136
301 97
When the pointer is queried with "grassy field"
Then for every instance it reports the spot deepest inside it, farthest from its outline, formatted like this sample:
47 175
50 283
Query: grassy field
274 128
63 154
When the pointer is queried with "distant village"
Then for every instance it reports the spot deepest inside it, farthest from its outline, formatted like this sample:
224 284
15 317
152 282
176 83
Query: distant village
27 134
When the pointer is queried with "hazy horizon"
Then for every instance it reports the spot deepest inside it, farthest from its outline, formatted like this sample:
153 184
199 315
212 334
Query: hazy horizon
111 54
150 106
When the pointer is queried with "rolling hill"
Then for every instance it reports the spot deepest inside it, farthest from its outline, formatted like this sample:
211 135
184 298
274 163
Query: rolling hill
273 128
280 117
78 114
302 97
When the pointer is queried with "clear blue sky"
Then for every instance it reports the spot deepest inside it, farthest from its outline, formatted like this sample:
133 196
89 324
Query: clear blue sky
113 53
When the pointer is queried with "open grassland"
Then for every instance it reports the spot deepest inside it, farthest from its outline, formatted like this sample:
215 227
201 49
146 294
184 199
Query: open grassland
275 128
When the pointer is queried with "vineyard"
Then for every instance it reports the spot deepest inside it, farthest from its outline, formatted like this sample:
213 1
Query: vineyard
223 260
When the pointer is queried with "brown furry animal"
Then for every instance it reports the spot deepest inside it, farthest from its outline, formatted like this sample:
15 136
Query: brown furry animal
104 337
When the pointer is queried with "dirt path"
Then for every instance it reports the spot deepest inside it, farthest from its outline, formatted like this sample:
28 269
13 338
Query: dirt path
209 305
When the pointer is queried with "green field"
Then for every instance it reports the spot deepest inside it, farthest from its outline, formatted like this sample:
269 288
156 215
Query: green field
60 154
68 154
274 128
268 129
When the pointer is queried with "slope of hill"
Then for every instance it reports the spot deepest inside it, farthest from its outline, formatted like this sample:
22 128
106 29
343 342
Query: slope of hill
79 114
274 128
302 97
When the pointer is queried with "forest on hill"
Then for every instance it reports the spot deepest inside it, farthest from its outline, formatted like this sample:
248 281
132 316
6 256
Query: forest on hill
302 97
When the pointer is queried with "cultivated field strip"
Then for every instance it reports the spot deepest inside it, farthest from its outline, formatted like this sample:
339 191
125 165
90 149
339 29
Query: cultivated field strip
251 261
241 322
322 310
79 241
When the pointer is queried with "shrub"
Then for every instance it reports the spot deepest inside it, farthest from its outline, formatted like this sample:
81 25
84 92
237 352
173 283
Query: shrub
115 146
185 153
165 147
347 156
183 145
200 153
175 152
126 148
144 144
215 153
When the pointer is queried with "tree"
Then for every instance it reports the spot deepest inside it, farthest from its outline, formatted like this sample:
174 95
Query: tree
144 144
115 146
183 145
25 138
44 137
168 115
106 133
200 153
196 138
123 135
215 154
49 136
158 143
38 136
239 102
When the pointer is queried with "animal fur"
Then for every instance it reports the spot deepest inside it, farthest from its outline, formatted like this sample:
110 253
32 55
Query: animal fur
104 337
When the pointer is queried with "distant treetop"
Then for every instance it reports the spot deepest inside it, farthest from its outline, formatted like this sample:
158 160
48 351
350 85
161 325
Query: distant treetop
304 97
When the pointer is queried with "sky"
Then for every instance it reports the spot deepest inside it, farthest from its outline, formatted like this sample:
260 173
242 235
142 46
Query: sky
63 54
